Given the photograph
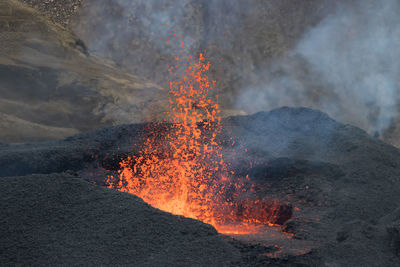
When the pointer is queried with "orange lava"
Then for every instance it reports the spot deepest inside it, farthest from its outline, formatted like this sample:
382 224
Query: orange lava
181 169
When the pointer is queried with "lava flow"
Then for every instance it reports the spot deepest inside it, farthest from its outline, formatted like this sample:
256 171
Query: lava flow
181 169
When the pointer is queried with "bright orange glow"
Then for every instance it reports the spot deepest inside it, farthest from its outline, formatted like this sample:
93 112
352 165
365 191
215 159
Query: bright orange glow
181 169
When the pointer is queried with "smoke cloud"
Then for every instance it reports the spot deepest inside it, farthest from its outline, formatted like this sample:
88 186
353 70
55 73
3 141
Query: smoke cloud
346 66
339 58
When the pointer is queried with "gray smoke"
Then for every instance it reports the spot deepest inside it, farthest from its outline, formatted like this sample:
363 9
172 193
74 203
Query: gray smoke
346 66
132 32
339 58
121 20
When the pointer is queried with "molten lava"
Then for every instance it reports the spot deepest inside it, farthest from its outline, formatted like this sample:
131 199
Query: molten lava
181 169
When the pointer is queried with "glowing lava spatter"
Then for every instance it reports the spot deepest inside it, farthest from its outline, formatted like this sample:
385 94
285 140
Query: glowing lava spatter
181 170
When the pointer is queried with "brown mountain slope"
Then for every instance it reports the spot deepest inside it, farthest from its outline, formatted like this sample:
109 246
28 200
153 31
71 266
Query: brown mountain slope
48 78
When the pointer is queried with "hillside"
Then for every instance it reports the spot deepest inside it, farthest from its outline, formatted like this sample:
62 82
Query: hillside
52 87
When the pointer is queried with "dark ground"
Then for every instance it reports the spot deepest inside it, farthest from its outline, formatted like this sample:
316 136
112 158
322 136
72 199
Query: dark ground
60 220
344 184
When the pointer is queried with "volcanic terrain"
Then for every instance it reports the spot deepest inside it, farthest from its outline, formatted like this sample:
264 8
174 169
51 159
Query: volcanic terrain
72 121
343 185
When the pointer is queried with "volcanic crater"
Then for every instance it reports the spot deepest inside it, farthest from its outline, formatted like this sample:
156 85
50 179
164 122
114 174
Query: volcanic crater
326 171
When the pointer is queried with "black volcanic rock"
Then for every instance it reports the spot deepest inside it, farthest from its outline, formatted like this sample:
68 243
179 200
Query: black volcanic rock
58 220
394 232
343 185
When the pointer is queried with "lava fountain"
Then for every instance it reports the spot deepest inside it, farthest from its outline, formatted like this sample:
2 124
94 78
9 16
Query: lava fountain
181 168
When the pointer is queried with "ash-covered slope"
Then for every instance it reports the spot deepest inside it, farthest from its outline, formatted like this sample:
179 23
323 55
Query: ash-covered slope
343 183
59 220
51 87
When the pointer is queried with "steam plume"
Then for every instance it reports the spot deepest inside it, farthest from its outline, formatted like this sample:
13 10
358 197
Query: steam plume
345 66
271 55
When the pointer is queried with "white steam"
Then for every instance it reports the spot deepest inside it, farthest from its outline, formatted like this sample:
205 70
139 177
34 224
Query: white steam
348 66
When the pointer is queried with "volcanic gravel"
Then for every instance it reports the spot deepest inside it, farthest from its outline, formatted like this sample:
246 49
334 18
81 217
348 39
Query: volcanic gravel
59 10
344 186
60 220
